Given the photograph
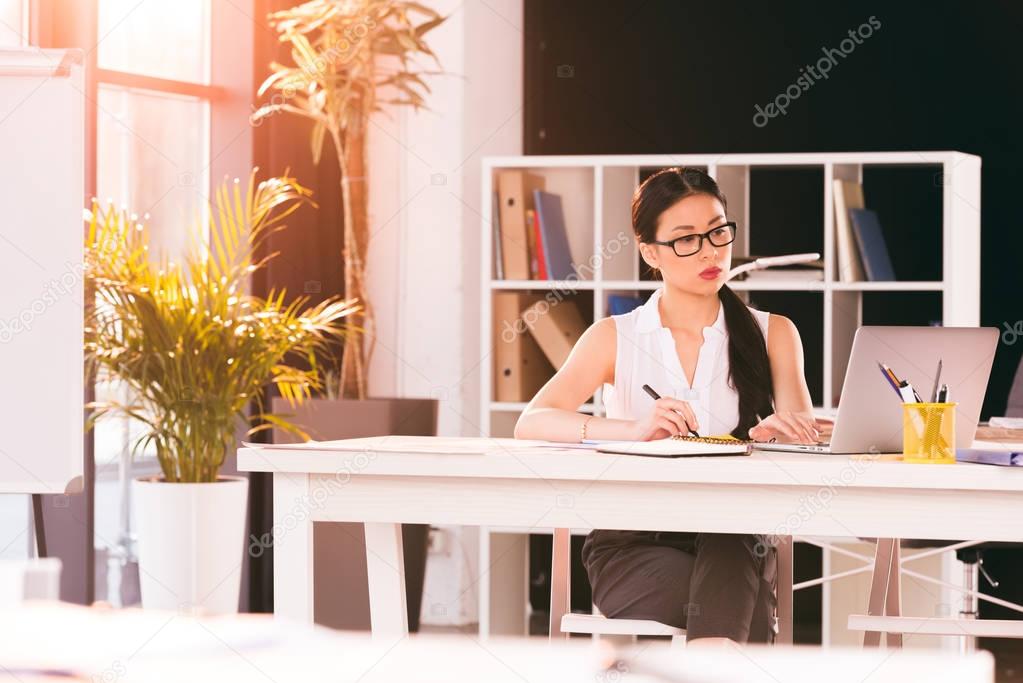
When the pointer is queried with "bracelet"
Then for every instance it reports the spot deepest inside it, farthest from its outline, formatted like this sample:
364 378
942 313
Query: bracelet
582 429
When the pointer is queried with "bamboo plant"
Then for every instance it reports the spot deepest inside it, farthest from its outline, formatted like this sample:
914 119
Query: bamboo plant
193 347
342 52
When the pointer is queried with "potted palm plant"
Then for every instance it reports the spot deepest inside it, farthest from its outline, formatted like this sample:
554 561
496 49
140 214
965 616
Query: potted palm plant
196 353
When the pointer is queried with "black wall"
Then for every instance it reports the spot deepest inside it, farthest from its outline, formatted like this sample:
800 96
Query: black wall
684 77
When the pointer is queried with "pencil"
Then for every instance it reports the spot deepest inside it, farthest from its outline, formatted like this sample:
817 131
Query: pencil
888 377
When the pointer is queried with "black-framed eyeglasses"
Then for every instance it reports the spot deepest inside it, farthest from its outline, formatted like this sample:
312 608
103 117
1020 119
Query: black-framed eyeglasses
687 245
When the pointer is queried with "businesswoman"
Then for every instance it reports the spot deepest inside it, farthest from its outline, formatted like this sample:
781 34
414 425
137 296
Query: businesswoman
720 367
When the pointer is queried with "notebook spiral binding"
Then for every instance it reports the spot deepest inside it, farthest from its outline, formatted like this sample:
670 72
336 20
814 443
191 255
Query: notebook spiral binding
710 439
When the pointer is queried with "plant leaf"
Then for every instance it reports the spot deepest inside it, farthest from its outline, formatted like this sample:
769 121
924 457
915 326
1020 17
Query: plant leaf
319 129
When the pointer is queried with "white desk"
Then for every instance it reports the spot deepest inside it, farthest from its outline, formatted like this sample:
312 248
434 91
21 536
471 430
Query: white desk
384 481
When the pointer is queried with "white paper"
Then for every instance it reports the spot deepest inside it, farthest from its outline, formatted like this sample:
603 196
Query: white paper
1006 422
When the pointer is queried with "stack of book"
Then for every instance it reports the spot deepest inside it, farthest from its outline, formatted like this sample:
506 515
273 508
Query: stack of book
530 238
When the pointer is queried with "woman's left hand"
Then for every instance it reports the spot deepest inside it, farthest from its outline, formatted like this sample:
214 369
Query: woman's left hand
786 426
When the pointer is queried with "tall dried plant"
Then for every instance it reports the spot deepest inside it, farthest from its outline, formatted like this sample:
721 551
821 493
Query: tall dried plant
342 52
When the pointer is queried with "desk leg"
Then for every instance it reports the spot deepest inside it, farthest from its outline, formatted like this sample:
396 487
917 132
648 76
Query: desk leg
293 548
893 601
385 569
879 586
503 583
784 554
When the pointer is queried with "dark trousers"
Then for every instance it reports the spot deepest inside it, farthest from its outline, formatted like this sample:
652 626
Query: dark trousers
713 585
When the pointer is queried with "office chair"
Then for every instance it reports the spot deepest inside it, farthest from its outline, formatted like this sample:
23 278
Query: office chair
563 622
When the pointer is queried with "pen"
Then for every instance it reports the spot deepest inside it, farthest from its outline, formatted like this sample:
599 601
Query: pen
908 394
934 391
654 395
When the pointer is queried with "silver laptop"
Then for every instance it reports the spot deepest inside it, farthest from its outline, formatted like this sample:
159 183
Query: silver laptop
869 417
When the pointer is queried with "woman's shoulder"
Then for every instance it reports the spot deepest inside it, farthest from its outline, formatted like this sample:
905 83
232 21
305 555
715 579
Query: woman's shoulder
776 321
599 337
624 321
604 332
598 345
774 325
762 317
778 329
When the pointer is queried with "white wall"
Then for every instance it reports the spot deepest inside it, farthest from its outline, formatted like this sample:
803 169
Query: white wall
423 270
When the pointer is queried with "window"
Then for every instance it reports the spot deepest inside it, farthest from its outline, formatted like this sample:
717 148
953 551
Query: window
154 106
153 118
163 39
13 23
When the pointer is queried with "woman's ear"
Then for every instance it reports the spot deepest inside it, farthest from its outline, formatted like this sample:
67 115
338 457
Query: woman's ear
649 255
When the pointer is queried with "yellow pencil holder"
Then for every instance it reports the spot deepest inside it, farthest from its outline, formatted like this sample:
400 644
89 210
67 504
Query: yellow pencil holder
929 432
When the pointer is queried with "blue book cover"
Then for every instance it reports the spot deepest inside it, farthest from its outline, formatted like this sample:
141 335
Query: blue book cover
990 457
617 304
870 240
556 252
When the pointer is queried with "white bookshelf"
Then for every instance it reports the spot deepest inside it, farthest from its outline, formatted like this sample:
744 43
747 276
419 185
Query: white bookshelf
597 191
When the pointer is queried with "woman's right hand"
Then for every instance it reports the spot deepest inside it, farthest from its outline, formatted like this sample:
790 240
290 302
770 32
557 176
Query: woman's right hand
669 417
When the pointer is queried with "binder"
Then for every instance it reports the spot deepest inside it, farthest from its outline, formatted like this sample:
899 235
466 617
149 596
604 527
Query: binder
847 195
556 327
515 188
498 272
537 246
557 255
531 243
520 366
873 250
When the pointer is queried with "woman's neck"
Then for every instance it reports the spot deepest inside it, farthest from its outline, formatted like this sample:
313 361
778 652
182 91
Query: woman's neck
688 311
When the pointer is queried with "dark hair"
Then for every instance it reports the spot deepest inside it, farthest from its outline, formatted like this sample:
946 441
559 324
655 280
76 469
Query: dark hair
749 367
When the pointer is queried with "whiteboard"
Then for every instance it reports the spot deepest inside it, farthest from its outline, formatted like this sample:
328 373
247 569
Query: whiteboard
42 194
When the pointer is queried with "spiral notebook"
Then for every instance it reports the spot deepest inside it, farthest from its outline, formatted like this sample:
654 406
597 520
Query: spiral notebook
679 447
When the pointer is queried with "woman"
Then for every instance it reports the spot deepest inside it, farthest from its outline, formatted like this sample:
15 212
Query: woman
720 368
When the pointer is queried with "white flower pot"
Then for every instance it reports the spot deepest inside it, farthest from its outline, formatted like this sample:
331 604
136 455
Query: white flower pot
191 542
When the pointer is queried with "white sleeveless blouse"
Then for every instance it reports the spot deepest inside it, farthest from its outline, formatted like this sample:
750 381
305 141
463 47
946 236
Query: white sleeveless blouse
646 355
